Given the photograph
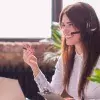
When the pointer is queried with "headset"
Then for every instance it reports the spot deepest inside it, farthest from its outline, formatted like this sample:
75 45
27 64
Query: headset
91 24
77 32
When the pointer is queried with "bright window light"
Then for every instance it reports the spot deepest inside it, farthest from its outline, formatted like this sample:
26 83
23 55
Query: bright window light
25 18
93 3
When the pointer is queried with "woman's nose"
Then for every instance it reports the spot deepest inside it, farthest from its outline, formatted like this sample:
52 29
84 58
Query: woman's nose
66 32
65 28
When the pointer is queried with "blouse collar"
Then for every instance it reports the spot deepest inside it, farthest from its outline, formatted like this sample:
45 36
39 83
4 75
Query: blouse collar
79 55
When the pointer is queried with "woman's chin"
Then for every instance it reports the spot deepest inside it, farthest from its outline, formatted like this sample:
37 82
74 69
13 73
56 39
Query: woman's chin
69 43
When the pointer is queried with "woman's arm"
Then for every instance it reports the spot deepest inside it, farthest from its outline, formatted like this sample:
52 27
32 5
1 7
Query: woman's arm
56 84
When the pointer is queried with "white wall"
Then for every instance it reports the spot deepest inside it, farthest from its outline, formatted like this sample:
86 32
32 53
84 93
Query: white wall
25 18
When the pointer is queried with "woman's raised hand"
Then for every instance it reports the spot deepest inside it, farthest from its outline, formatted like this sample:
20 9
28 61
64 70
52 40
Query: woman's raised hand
30 59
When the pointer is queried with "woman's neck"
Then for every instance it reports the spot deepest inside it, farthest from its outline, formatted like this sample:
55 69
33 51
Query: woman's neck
79 48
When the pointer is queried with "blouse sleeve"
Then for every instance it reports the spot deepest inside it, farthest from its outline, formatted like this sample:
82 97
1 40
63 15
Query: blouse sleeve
56 84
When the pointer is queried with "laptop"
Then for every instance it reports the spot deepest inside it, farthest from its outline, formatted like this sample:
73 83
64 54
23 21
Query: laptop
10 89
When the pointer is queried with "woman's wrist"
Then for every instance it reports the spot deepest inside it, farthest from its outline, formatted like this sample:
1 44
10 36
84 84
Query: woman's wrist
35 71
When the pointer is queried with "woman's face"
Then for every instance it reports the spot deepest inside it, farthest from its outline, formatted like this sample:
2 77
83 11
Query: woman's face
66 28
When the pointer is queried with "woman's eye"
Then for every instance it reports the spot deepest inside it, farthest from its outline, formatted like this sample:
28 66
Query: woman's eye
67 25
62 25
70 24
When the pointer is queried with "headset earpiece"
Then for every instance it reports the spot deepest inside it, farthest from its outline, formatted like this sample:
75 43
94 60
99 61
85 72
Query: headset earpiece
91 24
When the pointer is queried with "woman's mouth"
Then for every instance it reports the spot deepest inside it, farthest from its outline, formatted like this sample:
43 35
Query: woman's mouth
68 37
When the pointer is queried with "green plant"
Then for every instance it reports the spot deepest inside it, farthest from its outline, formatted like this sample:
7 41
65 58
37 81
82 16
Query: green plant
52 56
96 76
56 35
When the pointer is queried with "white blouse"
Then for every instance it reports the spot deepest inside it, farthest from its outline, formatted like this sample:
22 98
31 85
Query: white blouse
92 92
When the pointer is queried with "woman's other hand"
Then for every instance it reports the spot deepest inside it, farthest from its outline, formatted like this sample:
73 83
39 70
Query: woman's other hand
30 59
69 99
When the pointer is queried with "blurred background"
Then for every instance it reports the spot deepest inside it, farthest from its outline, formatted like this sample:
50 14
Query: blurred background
34 22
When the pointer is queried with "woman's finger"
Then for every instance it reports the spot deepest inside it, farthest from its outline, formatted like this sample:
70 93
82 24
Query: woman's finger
26 46
27 55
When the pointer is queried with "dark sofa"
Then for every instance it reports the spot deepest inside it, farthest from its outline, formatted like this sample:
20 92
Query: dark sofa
25 78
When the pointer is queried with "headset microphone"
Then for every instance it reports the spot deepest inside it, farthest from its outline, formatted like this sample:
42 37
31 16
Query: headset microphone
77 32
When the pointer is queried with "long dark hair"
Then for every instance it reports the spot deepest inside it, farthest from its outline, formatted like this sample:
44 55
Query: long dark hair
83 16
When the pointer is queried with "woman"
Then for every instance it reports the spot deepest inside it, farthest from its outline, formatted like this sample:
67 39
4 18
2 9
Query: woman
80 54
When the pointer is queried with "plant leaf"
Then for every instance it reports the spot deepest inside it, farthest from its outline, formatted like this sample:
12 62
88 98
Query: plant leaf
56 37
97 72
57 45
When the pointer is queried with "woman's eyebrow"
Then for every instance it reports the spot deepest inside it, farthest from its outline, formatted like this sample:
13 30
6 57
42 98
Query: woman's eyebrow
68 22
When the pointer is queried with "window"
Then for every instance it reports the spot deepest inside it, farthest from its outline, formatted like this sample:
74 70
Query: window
25 18
93 3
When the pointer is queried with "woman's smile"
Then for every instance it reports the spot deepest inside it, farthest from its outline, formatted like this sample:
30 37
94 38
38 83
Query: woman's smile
68 37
